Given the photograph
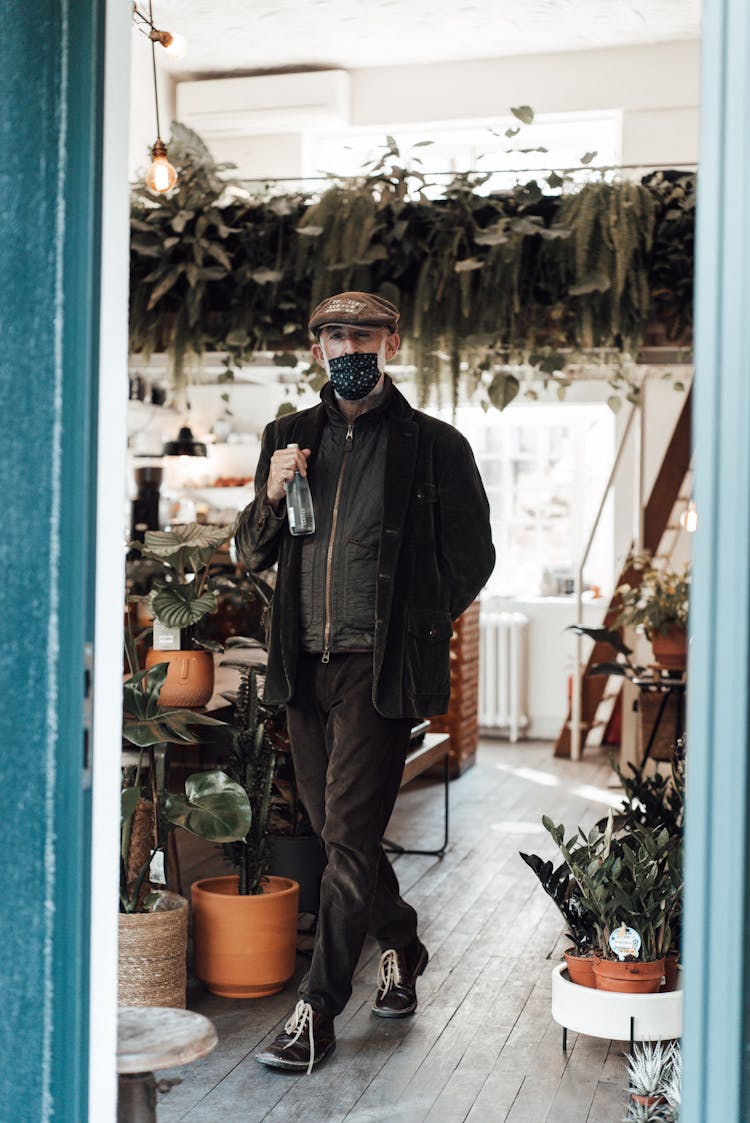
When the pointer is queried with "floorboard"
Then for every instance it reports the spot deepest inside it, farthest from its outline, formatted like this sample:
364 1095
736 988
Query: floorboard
482 1046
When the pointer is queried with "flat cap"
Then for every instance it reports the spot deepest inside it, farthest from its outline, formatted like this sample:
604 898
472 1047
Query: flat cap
363 308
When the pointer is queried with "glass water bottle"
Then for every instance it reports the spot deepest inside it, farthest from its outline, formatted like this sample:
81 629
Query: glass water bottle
299 504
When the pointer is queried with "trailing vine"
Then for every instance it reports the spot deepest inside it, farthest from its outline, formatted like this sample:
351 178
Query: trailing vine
484 281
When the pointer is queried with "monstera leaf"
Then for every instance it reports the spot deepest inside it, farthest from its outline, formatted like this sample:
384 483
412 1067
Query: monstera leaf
213 807
145 722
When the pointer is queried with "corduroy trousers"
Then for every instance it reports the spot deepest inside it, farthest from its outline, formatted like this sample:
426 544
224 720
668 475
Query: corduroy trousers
348 761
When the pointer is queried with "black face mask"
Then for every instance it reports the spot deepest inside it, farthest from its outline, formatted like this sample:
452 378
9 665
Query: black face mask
354 376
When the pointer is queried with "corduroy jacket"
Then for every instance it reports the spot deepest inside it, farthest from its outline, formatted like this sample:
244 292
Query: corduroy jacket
435 553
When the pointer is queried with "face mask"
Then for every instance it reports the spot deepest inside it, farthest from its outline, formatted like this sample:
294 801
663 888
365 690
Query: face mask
355 376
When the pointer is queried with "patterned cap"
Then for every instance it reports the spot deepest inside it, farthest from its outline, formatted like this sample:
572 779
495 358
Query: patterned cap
364 308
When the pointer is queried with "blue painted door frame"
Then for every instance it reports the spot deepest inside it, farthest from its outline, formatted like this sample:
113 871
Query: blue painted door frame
50 92
717 927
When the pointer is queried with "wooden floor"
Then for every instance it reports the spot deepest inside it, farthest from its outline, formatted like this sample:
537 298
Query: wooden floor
482 1046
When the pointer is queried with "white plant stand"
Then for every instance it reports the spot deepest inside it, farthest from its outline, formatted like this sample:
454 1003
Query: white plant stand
618 1017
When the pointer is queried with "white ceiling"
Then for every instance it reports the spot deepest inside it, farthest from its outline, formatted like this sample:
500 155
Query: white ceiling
236 36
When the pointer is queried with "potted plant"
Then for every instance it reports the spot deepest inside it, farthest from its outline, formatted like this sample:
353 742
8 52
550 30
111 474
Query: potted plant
295 851
658 604
153 922
183 592
631 883
245 925
648 1068
559 884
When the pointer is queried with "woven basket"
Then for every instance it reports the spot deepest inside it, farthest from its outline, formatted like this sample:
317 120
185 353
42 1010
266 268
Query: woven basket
153 957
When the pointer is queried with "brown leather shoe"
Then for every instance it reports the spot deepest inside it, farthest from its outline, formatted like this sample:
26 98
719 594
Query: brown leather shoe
308 1037
397 980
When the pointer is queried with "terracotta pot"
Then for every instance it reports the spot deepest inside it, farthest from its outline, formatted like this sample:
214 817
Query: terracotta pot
245 947
152 956
631 976
580 968
670 651
671 967
190 678
647 1101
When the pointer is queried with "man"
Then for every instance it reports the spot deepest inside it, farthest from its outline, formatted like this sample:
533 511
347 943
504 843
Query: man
359 641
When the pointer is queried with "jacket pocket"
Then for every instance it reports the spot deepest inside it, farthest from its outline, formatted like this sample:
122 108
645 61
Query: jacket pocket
427 662
420 524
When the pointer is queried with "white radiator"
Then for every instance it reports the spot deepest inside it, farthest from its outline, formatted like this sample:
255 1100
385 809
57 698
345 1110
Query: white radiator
503 664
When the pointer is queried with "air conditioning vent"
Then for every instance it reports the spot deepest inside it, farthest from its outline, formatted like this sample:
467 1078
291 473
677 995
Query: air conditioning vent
274 103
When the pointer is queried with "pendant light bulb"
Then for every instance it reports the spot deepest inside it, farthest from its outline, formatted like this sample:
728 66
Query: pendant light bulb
176 46
161 176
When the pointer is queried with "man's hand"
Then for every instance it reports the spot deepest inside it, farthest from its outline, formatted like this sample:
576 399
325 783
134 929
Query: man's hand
281 469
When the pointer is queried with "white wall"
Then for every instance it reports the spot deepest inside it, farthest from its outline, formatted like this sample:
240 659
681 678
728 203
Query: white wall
655 87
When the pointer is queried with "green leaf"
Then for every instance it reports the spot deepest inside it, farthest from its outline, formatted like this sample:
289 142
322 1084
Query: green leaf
588 157
284 408
502 390
614 401
177 606
164 286
554 180
184 547
213 807
285 359
266 276
510 133
468 264
218 253
593 282
128 802
310 231
523 113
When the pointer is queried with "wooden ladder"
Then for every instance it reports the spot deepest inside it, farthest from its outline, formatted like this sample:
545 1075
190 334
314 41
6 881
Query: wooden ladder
600 693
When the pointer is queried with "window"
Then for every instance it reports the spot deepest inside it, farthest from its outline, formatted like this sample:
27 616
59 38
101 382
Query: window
544 467
474 146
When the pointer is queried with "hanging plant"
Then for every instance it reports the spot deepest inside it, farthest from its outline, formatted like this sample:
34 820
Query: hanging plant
487 284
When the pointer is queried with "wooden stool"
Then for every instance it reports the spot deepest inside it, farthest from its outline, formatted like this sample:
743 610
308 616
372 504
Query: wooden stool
150 1038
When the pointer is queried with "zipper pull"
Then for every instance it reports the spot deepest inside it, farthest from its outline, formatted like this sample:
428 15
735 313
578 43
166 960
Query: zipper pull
350 433
326 656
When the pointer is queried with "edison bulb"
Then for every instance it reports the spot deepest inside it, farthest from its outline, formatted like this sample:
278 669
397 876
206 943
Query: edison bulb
176 46
161 176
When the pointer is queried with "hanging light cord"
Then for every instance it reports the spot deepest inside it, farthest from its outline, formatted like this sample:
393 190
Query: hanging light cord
153 63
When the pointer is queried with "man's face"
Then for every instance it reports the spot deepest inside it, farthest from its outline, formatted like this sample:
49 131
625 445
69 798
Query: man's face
347 339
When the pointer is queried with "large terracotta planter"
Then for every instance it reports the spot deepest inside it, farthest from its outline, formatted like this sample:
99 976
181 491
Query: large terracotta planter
190 678
152 965
245 947
580 968
630 977
670 651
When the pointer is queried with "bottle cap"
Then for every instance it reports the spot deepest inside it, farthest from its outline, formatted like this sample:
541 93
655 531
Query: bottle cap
293 445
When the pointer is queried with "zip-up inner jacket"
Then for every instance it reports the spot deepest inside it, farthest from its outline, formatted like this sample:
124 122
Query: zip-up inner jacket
338 568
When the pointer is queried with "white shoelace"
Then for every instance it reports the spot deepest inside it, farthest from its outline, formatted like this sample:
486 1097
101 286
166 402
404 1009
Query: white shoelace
303 1015
389 972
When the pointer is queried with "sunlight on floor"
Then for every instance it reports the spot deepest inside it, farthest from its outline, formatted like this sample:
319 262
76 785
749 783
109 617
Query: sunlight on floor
599 795
533 774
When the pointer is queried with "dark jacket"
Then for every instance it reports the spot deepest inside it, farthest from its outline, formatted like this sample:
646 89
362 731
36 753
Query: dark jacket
339 563
434 555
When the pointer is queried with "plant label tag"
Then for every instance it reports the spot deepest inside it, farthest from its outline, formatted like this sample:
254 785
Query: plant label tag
156 869
625 942
165 639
